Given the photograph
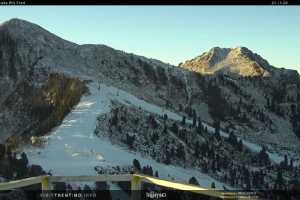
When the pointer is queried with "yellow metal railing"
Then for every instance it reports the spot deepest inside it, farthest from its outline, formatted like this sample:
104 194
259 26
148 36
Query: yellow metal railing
135 179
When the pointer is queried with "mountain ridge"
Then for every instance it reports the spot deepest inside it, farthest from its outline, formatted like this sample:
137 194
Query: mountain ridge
27 30
246 101
216 60
238 61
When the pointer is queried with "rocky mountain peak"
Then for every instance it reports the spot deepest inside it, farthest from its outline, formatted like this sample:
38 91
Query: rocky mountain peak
236 61
33 34
16 22
19 27
216 55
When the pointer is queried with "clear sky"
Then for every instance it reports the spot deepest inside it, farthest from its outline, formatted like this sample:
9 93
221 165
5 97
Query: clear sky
175 33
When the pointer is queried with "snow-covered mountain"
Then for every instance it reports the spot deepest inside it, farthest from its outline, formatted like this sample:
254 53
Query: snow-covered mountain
30 54
56 89
267 97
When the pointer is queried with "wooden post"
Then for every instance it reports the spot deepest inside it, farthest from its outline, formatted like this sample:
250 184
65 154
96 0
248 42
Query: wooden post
46 187
46 184
136 188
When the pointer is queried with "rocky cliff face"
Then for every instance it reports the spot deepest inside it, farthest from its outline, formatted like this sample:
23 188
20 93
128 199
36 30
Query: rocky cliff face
238 61
234 86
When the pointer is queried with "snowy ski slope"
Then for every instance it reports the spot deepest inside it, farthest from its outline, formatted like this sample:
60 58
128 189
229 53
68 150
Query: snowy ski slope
72 148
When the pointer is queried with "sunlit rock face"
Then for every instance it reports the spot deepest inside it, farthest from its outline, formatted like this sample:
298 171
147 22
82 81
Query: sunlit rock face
238 61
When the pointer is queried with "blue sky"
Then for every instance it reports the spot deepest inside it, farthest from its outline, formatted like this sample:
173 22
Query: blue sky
175 33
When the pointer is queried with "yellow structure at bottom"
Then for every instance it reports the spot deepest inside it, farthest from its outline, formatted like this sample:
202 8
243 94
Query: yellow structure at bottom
135 179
